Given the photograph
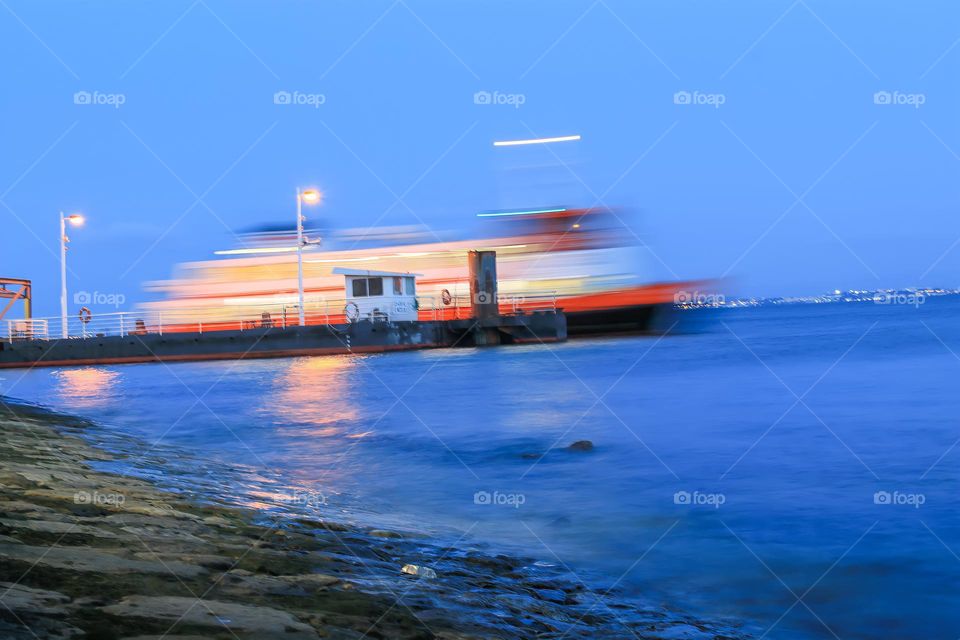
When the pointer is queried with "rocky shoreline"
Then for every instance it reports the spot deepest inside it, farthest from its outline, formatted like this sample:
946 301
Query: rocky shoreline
89 554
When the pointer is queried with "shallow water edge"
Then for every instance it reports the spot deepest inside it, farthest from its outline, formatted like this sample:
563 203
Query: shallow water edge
88 553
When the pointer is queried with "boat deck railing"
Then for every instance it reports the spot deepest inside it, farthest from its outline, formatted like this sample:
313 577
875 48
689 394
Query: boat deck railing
249 317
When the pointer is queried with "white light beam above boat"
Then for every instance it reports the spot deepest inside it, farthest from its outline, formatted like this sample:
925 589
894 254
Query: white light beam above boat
533 212
254 250
514 143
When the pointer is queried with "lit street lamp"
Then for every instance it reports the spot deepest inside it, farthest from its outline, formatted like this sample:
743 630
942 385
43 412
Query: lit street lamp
76 220
310 196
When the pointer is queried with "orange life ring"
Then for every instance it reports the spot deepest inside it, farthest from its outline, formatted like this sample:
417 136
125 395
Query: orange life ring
85 315
445 297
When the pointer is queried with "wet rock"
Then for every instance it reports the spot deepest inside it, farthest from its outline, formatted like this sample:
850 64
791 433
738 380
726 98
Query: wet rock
498 564
382 533
155 509
92 602
312 579
140 520
581 445
209 561
60 477
323 524
162 533
93 560
19 506
242 618
531 455
20 598
683 631
217 521
294 585
33 627
166 637
53 526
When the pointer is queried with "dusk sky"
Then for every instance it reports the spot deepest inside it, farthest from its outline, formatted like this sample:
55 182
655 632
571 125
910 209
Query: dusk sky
792 175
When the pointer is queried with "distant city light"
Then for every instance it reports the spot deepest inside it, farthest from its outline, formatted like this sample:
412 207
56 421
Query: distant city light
513 143
518 213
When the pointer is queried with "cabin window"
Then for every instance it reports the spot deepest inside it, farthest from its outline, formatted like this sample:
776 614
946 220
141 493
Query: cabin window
397 286
363 287
359 287
411 286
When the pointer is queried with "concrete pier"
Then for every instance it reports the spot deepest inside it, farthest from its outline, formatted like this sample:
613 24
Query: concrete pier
384 319
276 342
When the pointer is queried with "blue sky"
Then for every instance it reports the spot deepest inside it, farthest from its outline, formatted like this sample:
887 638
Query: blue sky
797 183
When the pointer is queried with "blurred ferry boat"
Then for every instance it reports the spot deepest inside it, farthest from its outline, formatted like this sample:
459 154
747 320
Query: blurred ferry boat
577 260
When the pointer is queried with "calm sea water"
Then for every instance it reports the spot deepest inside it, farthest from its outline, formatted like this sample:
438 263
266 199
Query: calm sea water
794 468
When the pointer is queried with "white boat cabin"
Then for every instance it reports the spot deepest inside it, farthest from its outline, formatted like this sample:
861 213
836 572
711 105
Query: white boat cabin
379 295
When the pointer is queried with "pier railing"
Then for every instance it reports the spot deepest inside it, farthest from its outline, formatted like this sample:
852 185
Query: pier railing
244 318
27 329
161 321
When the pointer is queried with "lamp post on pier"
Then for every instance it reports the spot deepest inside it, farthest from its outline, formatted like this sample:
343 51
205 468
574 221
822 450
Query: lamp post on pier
310 196
75 220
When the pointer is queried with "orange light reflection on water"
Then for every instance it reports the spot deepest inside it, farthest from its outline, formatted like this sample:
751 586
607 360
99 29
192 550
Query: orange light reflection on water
315 394
87 387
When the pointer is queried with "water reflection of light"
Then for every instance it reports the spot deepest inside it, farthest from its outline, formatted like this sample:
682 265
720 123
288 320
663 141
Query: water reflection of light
315 391
300 500
86 388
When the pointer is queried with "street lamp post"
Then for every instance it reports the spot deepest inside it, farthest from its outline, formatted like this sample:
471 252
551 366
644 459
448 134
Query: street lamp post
310 196
75 220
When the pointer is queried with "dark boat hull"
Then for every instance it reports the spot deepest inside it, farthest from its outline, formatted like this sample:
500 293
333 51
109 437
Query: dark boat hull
644 319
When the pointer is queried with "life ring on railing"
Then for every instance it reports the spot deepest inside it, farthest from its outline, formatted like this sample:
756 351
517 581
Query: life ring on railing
85 315
445 297
351 311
